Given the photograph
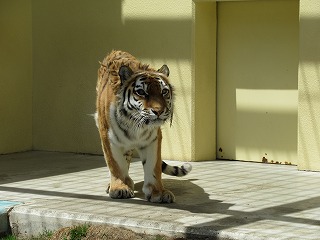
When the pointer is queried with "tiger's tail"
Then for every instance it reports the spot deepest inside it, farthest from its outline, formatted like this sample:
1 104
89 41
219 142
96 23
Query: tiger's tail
175 170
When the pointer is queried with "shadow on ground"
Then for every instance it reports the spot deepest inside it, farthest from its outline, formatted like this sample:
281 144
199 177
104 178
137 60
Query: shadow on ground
37 164
189 197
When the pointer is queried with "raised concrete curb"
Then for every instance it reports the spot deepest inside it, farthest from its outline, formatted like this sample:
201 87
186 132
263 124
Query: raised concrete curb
27 221
5 207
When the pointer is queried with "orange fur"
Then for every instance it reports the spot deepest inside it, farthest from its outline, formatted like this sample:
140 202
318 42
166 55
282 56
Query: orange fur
108 86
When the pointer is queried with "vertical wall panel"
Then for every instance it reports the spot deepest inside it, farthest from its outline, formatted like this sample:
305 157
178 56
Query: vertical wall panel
15 76
257 80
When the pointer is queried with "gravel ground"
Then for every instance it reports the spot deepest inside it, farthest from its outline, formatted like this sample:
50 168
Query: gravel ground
104 232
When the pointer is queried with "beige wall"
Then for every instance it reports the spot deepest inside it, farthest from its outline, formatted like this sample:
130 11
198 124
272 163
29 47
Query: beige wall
49 58
257 80
69 39
15 76
204 81
309 86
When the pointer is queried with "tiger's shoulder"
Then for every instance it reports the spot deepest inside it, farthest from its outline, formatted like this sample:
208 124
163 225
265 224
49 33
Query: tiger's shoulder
109 68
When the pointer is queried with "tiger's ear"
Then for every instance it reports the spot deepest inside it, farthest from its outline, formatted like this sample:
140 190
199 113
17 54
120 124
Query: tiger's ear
125 73
165 70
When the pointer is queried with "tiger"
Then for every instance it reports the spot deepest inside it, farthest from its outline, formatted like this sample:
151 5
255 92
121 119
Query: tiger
133 102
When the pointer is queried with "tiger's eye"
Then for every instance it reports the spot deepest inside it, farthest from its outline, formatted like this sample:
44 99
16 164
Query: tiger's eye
140 92
165 91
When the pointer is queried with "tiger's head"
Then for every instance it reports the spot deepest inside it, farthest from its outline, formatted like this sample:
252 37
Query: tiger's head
146 97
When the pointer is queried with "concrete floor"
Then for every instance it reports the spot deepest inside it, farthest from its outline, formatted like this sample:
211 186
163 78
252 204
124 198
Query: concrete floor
218 199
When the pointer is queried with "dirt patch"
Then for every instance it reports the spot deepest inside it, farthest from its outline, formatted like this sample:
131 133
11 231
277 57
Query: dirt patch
104 232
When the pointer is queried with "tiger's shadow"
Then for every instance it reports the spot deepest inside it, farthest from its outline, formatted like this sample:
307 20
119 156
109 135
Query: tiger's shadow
189 197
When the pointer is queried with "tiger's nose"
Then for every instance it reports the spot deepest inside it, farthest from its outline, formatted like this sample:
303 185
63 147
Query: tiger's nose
157 111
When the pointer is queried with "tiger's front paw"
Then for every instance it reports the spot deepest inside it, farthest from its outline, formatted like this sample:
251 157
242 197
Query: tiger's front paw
121 193
121 190
156 196
165 196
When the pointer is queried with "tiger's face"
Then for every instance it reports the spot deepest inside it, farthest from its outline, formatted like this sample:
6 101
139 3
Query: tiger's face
146 97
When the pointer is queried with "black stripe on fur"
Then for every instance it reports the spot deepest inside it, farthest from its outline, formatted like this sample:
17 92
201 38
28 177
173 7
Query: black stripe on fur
164 166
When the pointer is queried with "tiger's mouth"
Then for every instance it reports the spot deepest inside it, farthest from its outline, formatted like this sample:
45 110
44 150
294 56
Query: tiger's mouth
141 119
157 121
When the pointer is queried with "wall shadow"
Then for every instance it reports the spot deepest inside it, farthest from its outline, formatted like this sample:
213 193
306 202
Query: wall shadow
36 164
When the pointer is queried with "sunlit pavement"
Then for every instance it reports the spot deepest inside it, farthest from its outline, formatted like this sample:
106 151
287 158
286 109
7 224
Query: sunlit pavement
218 199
